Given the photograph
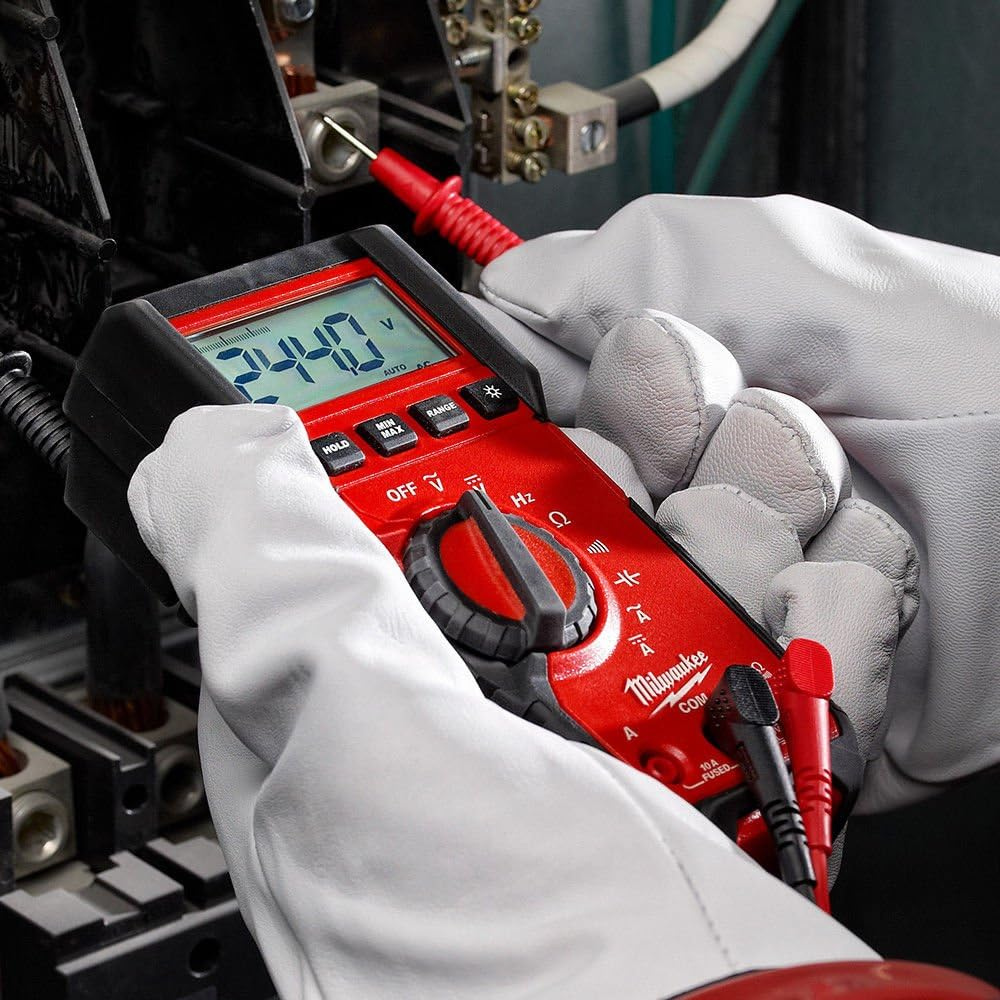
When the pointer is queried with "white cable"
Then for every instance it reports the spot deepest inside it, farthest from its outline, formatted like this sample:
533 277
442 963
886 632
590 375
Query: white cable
707 56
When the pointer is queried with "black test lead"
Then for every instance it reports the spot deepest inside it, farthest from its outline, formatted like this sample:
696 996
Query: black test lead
739 719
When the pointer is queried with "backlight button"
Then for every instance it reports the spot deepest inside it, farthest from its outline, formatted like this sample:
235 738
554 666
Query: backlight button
491 397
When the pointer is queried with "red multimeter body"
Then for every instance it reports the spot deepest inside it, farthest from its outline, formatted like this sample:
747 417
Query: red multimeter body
652 634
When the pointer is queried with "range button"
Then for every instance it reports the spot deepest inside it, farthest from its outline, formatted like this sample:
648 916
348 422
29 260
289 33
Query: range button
338 453
440 415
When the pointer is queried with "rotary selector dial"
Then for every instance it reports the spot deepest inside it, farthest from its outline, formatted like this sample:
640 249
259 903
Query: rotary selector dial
497 584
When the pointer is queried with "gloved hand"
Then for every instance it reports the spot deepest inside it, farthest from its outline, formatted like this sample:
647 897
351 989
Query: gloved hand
381 820
894 341
389 831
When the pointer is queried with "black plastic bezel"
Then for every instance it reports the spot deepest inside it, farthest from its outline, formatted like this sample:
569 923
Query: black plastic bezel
137 374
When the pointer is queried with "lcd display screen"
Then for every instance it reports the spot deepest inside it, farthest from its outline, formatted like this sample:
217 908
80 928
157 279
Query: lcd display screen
322 348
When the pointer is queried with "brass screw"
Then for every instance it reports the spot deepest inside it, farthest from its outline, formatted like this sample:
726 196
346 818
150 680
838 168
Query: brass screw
456 29
532 132
524 96
525 28
531 167
525 6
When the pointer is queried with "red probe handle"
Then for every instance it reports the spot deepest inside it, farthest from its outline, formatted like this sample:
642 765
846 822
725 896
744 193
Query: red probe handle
411 185
805 721
440 206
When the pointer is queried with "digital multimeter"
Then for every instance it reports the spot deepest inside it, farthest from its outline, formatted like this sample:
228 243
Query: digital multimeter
571 606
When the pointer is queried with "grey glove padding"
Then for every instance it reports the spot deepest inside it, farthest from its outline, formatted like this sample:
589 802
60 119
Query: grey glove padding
659 388
808 472
894 341
754 542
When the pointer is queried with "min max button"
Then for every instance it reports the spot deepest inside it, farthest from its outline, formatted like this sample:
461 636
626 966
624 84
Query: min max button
388 434
440 415
491 397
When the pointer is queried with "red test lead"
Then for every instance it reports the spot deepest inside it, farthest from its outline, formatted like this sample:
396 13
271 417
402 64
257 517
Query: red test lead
439 204
804 701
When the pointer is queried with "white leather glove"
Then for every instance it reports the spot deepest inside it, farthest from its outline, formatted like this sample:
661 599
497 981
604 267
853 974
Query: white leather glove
392 833
894 341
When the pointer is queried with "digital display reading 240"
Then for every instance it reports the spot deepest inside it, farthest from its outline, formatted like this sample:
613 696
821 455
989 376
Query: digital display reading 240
323 348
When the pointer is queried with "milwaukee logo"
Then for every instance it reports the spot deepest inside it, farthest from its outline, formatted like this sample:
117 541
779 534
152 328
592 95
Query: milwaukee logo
647 688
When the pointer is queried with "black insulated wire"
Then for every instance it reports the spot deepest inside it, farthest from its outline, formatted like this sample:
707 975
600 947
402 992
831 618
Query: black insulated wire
33 411
634 98
784 821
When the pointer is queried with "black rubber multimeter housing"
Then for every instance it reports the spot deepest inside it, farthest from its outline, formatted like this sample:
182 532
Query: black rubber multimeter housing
119 416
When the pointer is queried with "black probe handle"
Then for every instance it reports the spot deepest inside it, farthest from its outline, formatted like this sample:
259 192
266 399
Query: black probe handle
759 757
739 719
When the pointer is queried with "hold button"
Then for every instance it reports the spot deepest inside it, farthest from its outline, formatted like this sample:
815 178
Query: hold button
338 453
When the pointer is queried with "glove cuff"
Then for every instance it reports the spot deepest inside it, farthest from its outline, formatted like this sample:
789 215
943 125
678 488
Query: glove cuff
854 980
